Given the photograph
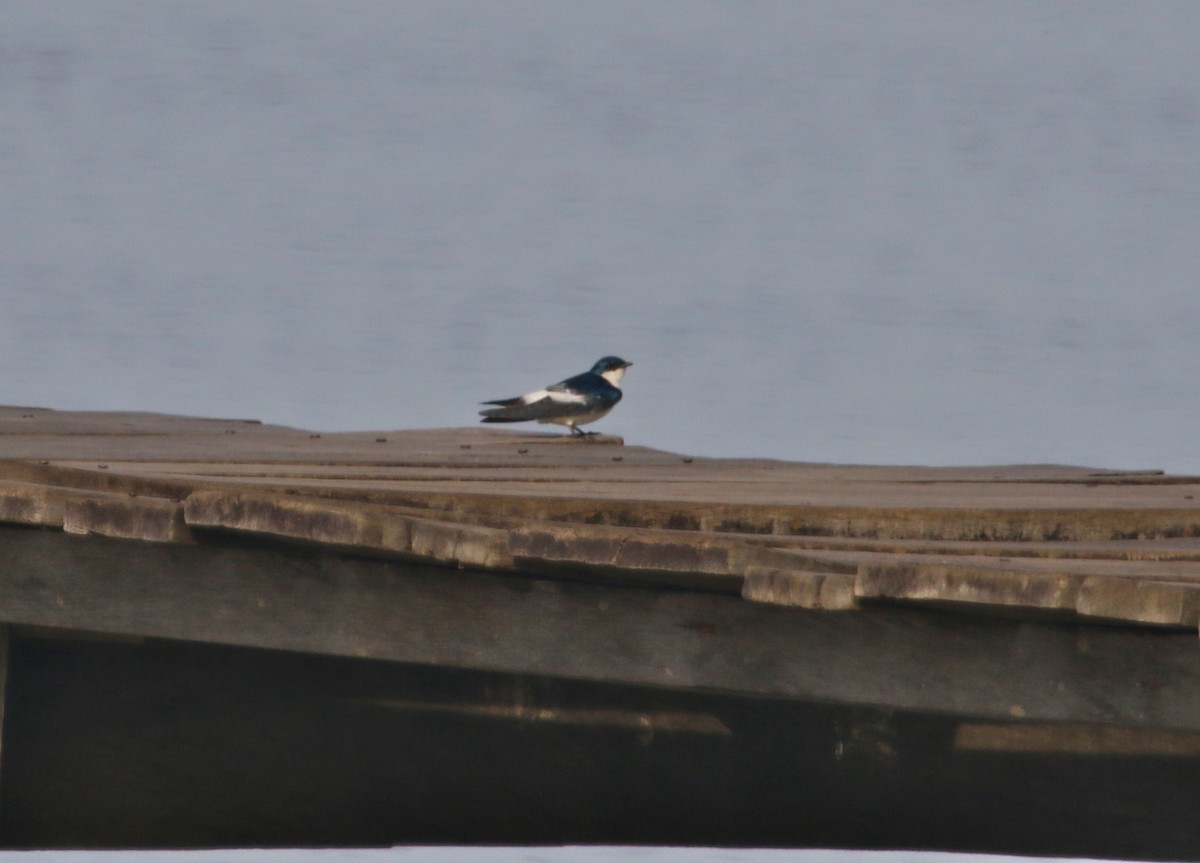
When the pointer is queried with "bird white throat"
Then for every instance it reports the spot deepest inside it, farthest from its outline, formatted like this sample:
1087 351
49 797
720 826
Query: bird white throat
613 376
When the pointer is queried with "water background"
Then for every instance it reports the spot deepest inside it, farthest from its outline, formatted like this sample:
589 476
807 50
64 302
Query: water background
853 230
874 231
864 231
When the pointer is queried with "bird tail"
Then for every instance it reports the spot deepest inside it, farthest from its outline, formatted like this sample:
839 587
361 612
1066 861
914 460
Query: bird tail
503 413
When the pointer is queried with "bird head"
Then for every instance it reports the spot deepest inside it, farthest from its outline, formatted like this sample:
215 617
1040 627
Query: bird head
612 369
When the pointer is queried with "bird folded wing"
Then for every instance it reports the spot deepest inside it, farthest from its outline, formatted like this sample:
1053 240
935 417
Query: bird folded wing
551 405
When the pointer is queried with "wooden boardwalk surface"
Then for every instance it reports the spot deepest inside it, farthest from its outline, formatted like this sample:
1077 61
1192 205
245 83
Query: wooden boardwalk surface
999 659
1073 543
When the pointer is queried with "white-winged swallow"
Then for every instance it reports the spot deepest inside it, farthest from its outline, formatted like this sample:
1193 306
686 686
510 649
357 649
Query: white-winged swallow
574 402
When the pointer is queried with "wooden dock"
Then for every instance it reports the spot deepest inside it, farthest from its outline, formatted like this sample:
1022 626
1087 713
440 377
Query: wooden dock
487 636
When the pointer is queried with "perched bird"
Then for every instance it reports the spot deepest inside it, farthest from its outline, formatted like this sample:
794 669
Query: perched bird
572 403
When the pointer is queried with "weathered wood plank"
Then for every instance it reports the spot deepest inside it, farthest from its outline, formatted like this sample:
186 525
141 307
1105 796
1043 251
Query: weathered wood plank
887 658
1164 593
36 505
127 517
1140 595
1124 546
953 583
363 527
1140 600
800 588
1074 739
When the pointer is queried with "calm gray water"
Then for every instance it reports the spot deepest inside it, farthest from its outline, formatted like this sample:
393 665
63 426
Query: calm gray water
840 230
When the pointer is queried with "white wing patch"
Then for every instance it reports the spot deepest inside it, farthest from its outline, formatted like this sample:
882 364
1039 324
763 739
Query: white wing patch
562 397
